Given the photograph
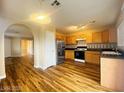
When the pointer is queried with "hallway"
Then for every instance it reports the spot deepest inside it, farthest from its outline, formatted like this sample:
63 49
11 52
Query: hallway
70 76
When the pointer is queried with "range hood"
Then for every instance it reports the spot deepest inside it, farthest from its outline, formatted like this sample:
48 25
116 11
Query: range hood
81 42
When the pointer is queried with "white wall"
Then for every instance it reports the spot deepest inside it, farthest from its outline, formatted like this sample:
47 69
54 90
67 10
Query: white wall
4 23
31 48
121 34
40 56
120 27
13 47
16 47
50 49
45 43
8 47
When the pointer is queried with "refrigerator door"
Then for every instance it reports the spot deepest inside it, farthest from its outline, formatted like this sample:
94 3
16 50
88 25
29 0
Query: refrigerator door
60 52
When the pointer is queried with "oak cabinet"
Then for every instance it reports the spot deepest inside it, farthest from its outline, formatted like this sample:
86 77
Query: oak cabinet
97 37
73 40
88 57
109 36
89 38
60 36
105 36
113 35
69 54
70 39
92 57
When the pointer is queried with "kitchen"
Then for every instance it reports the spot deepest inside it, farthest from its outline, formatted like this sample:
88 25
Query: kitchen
98 47
78 45
94 43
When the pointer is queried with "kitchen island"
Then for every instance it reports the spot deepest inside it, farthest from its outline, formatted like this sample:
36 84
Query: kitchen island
112 72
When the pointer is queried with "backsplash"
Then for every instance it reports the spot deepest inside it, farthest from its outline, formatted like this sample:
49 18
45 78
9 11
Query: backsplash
97 46
102 46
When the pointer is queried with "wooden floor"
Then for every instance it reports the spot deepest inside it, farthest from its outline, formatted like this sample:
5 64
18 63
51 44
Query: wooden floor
67 77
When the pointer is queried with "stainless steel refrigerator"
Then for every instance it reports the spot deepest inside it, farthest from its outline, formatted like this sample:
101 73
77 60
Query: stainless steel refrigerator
60 51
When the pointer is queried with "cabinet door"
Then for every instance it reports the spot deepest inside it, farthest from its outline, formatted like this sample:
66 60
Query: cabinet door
92 57
113 35
68 40
96 59
88 57
69 54
97 37
105 36
89 38
60 37
73 40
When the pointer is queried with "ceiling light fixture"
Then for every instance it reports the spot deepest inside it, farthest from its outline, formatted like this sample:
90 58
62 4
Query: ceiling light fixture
84 26
40 18
57 3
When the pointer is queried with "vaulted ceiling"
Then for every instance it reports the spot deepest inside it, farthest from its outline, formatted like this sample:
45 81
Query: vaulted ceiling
69 13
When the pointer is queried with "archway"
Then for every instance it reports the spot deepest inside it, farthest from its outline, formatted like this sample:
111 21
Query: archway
42 35
18 43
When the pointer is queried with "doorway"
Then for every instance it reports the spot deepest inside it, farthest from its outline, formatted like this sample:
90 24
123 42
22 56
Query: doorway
27 47
18 45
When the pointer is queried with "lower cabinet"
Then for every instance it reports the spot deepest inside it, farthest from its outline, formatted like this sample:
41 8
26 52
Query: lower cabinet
92 57
69 54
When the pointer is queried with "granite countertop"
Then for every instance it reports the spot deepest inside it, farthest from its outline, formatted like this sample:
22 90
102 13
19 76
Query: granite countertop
113 56
109 55
100 50
104 55
70 48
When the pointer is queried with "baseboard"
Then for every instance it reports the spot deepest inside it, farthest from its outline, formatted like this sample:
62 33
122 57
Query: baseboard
43 68
36 66
2 77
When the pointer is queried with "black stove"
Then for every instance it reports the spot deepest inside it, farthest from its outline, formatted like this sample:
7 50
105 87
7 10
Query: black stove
80 54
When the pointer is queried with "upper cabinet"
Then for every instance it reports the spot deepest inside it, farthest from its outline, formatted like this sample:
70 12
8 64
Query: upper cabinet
106 36
70 39
60 36
113 35
89 38
97 37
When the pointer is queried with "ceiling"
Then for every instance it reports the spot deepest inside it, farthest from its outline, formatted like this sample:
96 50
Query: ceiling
69 13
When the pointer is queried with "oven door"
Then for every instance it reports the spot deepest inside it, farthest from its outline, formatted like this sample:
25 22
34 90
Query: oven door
80 55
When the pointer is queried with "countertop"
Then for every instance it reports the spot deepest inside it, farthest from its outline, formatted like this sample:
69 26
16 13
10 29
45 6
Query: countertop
105 55
113 56
100 50
70 48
